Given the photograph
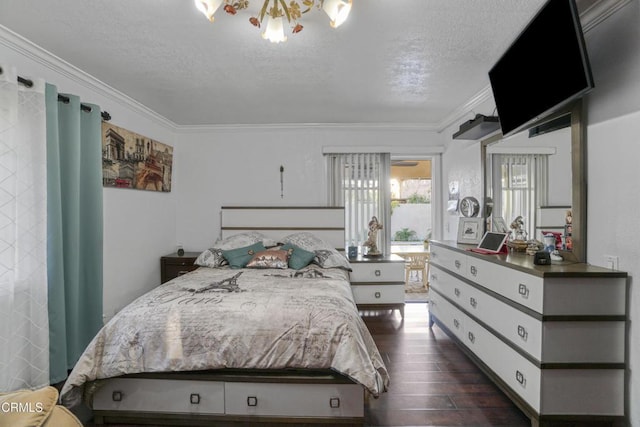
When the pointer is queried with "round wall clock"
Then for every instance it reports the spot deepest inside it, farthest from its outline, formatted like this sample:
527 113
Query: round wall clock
469 206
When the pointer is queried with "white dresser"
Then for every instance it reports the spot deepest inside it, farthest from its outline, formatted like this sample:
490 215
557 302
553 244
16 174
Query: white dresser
552 337
378 283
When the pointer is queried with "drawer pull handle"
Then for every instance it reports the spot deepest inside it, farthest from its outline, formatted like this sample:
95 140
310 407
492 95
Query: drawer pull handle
334 402
473 302
252 401
456 323
116 396
434 278
377 273
523 290
194 399
472 337
457 292
457 264
521 379
180 273
377 295
522 332
474 270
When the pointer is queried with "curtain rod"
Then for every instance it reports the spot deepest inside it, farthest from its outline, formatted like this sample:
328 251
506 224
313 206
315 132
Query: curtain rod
65 99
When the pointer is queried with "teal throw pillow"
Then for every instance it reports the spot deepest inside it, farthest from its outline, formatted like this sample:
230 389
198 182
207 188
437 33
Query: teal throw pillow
240 257
299 258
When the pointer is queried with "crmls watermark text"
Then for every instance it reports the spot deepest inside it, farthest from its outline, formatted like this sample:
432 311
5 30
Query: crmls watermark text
15 407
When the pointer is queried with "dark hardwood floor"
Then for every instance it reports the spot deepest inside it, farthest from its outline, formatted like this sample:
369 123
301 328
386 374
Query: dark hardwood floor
432 382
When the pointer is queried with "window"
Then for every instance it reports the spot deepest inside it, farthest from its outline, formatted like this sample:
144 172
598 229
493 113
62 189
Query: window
360 183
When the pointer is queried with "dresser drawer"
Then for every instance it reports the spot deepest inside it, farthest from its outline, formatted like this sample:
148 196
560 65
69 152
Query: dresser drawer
378 293
377 272
294 400
451 260
517 372
446 284
134 394
523 288
449 315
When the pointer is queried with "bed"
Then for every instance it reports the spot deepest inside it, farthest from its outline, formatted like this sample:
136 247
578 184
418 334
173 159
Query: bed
243 338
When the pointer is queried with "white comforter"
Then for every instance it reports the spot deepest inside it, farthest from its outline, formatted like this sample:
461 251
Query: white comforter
245 319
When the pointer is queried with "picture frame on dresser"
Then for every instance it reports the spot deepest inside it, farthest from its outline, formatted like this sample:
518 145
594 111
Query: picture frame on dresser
470 230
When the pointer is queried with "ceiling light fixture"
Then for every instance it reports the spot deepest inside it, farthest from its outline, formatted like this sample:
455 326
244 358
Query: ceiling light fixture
276 10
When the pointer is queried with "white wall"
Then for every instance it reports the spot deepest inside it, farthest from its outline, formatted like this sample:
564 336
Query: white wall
241 166
613 153
139 226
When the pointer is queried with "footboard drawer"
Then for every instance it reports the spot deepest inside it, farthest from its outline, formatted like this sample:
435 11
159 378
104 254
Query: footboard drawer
133 394
294 400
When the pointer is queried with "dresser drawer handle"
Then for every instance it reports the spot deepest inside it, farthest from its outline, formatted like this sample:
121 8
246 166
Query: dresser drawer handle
456 323
521 379
252 401
377 294
377 273
457 292
116 396
433 277
473 302
474 270
180 273
523 290
472 337
194 399
334 402
457 264
522 332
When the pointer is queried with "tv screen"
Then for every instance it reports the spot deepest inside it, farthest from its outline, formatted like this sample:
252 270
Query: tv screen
544 69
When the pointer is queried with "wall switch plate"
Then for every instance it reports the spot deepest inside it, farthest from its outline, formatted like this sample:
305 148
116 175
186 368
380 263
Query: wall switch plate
611 262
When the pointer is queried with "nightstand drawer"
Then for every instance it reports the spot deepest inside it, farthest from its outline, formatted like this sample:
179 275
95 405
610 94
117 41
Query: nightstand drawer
377 272
392 293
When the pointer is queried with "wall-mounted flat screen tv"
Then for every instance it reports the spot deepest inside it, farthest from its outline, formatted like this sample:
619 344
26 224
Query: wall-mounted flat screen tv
544 69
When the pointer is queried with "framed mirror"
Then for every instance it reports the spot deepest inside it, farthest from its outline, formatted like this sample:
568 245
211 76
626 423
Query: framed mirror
564 180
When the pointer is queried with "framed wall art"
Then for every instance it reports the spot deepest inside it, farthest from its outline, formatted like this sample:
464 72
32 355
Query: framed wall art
470 230
130 160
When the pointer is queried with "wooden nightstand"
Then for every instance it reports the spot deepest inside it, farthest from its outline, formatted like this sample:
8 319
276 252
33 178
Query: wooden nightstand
173 265
378 283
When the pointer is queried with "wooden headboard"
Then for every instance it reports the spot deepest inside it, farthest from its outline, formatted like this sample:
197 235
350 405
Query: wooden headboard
277 222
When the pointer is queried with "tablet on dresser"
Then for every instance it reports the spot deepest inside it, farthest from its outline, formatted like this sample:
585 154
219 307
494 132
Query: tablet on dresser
491 243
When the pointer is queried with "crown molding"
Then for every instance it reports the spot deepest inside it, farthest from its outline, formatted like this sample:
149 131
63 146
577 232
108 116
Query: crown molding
419 127
600 10
58 65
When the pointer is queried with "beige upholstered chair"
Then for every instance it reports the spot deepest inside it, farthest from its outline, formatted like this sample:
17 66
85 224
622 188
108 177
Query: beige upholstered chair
418 262
35 408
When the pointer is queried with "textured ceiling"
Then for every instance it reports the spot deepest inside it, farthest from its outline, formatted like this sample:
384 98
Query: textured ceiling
392 62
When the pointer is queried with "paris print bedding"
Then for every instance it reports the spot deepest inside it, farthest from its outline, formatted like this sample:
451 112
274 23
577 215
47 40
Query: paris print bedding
214 318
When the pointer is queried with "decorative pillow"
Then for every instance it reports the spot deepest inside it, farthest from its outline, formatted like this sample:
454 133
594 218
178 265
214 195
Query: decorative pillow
298 257
326 256
238 258
271 258
214 258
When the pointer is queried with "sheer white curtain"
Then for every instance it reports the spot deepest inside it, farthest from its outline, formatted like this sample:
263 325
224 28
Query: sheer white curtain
520 187
360 182
24 332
